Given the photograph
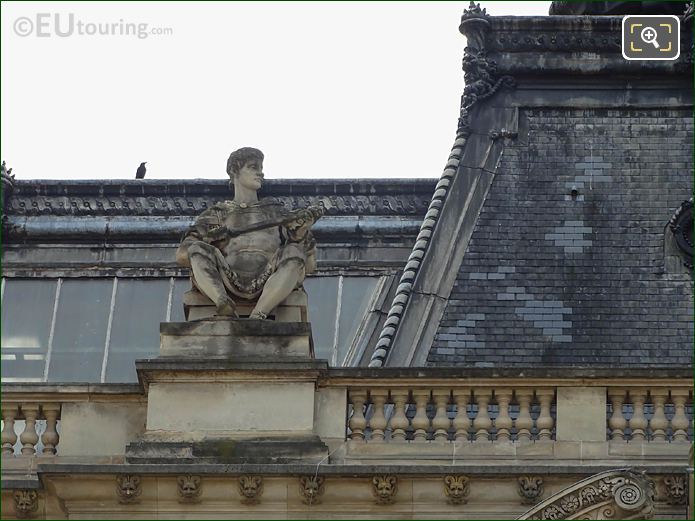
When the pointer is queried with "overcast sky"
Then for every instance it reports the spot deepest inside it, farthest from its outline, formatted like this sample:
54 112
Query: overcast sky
335 89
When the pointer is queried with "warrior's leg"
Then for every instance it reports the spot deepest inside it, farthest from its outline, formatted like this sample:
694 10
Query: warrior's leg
206 273
278 287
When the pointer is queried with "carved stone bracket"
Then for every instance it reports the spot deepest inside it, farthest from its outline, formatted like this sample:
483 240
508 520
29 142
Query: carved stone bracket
26 503
312 488
530 489
128 488
189 488
616 494
456 489
384 489
250 489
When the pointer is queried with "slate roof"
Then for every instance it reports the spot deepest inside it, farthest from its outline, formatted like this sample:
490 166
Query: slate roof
548 279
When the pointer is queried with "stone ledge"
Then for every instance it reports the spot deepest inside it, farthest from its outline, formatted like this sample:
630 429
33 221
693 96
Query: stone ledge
347 470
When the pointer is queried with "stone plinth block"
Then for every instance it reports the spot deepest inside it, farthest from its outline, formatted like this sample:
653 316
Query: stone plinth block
228 410
222 337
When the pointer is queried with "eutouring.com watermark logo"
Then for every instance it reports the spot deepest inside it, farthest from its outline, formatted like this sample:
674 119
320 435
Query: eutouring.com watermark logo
66 25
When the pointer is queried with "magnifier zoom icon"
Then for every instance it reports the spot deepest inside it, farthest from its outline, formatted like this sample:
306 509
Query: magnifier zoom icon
648 35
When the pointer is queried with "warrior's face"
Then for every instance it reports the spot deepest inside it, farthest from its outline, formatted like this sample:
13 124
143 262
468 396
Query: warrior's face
251 175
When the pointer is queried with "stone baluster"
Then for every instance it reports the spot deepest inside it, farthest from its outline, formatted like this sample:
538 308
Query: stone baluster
378 420
659 423
545 420
9 436
421 422
399 421
617 422
440 422
357 421
462 422
29 438
524 423
503 421
638 423
680 422
50 436
482 422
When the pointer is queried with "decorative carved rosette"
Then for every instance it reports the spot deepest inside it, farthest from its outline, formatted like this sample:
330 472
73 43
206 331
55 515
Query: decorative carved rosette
530 489
456 489
312 488
189 488
128 488
384 489
250 489
618 494
26 503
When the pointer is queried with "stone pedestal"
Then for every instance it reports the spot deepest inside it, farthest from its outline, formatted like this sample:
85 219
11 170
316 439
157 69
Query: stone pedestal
231 391
293 309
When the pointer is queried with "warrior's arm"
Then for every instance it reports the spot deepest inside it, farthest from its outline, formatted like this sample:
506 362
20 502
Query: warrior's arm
197 232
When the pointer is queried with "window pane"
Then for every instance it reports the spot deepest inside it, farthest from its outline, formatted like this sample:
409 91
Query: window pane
141 304
26 322
80 330
357 293
322 292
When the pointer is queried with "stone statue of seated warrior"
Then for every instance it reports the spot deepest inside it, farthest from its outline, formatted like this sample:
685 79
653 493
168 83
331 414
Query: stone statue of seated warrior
249 248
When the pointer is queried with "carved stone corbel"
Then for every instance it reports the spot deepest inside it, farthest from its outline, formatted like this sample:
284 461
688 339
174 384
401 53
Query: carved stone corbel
530 489
26 503
456 489
312 488
128 488
675 489
384 489
250 489
189 488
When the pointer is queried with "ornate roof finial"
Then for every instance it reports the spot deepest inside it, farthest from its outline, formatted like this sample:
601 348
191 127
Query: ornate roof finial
475 25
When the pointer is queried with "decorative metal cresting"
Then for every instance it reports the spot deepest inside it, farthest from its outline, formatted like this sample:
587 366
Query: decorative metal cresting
615 494
681 224
481 82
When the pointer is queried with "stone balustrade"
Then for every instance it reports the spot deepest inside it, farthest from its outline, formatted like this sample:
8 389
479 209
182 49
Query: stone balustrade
476 414
649 414
31 413
367 407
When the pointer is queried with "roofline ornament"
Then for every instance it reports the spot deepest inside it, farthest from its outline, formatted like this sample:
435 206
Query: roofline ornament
681 225
481 82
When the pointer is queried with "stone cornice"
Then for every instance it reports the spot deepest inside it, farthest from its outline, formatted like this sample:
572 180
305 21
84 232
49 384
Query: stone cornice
191 197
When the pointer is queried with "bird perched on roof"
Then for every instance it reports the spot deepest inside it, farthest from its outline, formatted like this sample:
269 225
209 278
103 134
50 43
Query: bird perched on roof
141 171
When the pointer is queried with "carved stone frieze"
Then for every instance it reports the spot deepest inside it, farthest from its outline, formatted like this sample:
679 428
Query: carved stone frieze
618 494
384 488
26 503
250 489
530 489
128 488
189 488
312 488
456 489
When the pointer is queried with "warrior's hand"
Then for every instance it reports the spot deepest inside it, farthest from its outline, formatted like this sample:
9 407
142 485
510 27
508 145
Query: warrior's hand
301 220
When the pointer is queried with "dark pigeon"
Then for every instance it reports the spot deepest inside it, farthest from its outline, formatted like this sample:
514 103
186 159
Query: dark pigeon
140 174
